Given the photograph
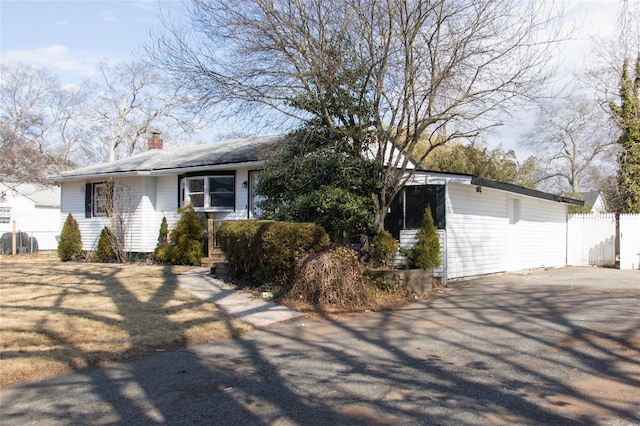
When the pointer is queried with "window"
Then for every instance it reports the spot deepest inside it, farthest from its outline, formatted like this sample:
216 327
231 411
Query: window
5 214
98 199
407 209
209 193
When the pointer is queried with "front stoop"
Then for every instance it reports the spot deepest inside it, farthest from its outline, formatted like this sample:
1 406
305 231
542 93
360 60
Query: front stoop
215 256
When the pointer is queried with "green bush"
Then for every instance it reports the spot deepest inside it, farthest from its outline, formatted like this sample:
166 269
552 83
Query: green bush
185 239
425 254
385 248
237 239
269 250
280 245
70 246
107 249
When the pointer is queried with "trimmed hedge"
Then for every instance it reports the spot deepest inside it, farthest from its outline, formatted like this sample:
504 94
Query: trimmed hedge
267 249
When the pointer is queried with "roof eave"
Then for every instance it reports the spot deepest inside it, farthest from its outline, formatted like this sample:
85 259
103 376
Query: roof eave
159 172
475 180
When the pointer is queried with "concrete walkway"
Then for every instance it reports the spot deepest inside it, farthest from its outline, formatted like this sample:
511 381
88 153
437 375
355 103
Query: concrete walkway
245 306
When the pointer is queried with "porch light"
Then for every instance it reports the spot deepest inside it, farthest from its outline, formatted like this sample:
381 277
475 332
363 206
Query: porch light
245 184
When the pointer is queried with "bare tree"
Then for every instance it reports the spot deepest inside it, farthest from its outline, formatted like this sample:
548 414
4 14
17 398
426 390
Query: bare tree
41 126
394 72
130 103
605 70
574 143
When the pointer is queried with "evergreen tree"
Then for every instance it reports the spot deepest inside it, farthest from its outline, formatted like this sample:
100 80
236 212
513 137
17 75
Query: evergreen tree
321 176
163 235
107 248
425 254
162 251
70 246
627 115
185 239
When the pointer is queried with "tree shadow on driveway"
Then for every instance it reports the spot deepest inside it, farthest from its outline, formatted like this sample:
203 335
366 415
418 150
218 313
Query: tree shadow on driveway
481 353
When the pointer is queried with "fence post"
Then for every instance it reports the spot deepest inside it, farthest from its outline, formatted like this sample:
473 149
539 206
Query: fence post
212 237
14 244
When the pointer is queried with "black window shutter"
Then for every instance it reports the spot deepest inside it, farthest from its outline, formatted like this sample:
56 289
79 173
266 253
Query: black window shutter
88 200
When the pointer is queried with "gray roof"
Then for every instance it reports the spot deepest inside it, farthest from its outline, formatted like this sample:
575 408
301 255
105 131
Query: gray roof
228 152
42 196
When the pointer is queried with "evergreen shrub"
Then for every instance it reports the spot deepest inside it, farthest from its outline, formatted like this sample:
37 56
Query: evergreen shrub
425 254
385 248
282 243
70 246
237 239
185 239
161 253
107 249
269 250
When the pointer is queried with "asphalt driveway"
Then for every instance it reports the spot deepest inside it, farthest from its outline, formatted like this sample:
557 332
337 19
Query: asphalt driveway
554 347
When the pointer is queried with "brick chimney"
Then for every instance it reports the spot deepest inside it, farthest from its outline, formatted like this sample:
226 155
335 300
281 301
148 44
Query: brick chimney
155 141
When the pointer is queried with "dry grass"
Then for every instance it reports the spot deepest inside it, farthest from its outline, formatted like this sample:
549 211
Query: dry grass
57 317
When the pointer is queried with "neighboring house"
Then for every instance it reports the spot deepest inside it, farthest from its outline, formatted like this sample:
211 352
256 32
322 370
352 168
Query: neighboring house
485 226
594 202
36 213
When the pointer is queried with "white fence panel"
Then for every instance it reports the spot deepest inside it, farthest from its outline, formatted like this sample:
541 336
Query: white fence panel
591 239
630 241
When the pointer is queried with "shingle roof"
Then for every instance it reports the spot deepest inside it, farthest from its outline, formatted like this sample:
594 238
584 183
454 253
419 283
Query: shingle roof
227 152
41 196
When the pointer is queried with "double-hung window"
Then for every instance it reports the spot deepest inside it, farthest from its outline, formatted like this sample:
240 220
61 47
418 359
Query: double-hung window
209 193
98 199
5 214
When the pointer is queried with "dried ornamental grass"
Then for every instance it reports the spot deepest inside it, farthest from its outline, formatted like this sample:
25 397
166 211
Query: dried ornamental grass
331 280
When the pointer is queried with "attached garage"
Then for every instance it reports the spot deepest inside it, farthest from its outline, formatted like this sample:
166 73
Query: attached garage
485 226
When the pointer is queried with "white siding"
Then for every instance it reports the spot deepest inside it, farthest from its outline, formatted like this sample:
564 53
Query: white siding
73 198
145 201
39 222
477 233
542 232
496 231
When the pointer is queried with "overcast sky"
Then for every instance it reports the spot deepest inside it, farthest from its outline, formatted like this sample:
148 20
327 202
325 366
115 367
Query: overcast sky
70 37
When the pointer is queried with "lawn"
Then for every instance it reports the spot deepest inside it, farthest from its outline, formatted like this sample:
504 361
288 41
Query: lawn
57 318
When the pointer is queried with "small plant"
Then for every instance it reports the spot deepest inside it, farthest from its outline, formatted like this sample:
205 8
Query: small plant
107 249
425 254
161 253
70 246
385 248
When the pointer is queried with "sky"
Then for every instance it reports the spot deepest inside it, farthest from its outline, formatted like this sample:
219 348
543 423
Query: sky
71 37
